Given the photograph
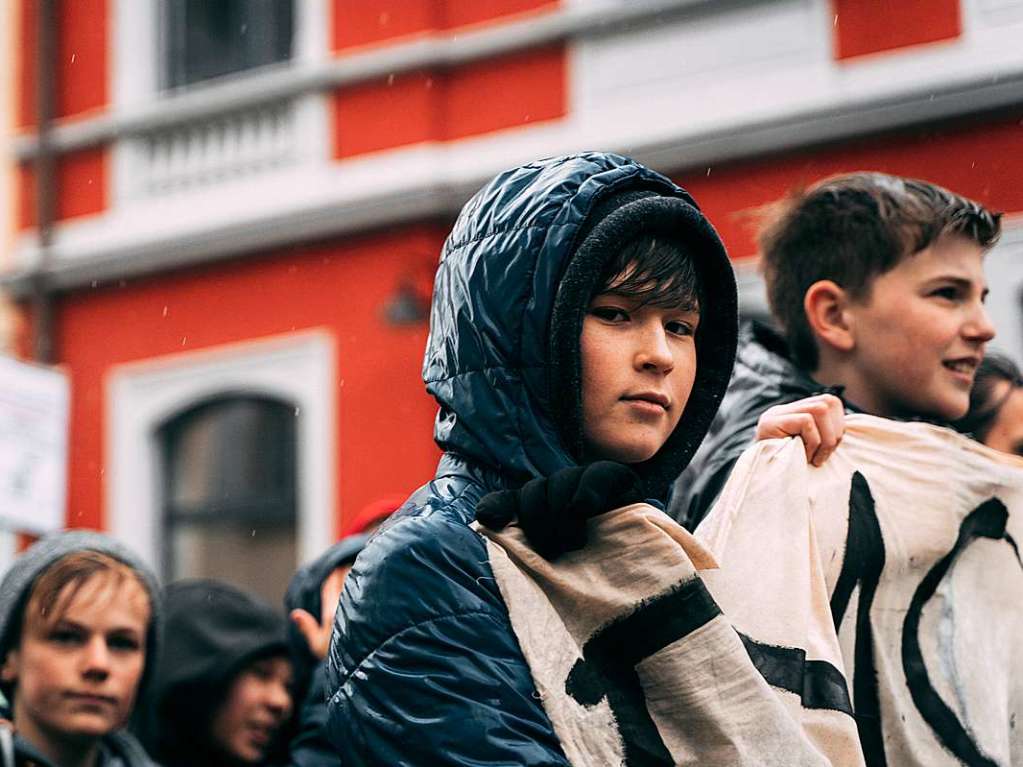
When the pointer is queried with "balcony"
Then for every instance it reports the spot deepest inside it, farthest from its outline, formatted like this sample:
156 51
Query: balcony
208 152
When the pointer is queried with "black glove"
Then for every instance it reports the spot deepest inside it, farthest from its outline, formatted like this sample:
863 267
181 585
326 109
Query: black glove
552 511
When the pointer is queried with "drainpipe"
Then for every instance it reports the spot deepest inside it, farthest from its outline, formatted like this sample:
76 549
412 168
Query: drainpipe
46 182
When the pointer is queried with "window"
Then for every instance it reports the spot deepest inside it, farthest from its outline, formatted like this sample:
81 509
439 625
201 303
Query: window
205 39
229 493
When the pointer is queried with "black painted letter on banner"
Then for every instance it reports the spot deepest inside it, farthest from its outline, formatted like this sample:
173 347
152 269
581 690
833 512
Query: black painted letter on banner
863 563
608 666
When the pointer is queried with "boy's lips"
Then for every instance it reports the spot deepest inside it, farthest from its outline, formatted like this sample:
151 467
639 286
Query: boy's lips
261 732
963 365
91 698
655 398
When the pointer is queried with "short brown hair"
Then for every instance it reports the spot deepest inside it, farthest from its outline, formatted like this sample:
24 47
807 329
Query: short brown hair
850 229
48 600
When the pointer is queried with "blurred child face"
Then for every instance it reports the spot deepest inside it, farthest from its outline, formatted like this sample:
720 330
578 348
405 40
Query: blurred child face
257 706
920 334
1006 433
638 368
77 676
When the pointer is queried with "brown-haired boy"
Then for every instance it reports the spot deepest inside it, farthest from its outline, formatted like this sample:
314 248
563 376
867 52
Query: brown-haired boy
877 285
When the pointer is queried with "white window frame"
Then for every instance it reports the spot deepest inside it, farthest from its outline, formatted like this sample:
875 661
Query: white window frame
299 368
134 74
136 98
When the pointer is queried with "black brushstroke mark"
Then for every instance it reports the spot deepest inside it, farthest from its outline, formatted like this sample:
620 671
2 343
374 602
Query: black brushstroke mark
863 563
608 666
1015 549
818 684
986 521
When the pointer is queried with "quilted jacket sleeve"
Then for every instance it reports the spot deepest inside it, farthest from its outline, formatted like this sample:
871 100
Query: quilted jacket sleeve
310 746
424 668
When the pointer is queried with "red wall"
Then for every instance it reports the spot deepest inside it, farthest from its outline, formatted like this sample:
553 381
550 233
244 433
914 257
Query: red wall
81 179
445 105
81 71
385 417
982 161
872 26
81 91
357 24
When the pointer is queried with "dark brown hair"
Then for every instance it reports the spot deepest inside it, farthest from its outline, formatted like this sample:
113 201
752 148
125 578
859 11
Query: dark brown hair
653 270
850 229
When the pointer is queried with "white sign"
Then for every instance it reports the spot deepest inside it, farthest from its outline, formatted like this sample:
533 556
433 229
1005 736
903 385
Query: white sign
33 446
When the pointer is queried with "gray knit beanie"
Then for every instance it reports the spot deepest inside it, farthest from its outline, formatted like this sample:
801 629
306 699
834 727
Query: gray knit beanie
20 578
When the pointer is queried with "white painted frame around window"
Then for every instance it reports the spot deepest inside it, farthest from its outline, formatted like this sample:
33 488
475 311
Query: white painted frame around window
299 368
134 78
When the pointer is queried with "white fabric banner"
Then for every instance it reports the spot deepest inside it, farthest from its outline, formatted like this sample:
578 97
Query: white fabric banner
636 665
909 533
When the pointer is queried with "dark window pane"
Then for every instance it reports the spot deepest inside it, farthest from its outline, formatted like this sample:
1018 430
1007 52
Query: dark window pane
230 454
229 509
211 38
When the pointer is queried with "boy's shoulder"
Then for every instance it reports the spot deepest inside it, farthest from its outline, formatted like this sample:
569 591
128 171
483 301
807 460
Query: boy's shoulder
765 375
425 563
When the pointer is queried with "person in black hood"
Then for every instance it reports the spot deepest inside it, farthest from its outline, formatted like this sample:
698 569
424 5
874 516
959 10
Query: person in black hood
79 630
219 643
584 319
224 691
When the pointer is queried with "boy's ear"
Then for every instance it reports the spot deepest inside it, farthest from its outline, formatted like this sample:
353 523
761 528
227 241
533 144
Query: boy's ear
827 311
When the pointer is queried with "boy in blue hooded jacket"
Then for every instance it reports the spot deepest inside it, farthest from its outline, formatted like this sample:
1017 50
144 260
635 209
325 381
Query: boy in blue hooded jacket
584 311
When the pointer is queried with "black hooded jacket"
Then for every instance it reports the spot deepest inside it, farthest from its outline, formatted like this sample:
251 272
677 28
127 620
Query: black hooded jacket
212 631
424 667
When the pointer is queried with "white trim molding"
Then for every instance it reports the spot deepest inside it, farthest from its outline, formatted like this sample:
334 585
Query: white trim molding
299 368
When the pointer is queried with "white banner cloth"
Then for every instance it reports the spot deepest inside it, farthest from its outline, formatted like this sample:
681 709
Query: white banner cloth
635 664
910 532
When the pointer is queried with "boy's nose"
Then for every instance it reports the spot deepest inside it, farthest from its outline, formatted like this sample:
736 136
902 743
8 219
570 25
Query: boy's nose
654 352
980 328
278 700
96 660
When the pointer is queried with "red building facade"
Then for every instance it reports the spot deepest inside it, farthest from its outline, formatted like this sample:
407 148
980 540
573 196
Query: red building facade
271 232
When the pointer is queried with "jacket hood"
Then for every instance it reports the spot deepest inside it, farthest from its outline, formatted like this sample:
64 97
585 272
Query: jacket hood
514 280
17 584
212 630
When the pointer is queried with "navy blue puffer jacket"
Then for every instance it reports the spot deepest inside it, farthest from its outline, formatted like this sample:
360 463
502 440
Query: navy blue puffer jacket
424 668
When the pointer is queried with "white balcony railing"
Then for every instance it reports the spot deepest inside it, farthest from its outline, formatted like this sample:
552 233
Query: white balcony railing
208 152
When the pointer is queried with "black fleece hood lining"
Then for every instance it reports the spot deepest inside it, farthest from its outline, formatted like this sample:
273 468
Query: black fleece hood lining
602 237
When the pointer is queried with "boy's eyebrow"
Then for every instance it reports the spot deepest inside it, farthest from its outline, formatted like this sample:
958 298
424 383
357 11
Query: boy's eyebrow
961 282
133 630
67 623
